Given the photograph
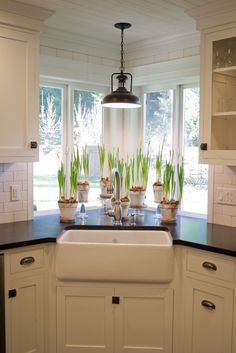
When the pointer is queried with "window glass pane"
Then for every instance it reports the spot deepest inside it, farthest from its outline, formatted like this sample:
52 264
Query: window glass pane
50 150
158 125
196 175
87 130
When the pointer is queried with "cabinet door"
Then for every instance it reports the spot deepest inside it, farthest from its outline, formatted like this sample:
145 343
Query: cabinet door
26 316
84 320
208 318
19 90
218 104
143 320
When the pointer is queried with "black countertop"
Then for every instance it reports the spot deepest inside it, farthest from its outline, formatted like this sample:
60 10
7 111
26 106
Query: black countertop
193 232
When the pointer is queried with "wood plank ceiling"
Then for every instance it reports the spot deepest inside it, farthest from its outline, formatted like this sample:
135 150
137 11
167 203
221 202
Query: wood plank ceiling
94 19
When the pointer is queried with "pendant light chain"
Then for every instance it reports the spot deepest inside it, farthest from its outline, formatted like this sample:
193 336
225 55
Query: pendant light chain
122 51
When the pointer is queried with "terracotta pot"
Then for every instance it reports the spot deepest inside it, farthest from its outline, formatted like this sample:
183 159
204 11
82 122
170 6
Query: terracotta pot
124 209
83 190
68 211
106 187
137 198
158 192
168 212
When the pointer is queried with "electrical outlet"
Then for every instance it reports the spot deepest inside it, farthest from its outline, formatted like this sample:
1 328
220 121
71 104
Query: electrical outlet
226 196
15 193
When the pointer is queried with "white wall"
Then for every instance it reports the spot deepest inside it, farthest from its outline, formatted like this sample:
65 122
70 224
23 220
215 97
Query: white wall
13 174
224 177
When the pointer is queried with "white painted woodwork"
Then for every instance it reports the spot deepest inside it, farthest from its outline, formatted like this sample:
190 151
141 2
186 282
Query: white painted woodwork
84 320
51 316
153 19
88 322
19 94
20 26
144 320
225 269
218 84
26 312
16 258
208 330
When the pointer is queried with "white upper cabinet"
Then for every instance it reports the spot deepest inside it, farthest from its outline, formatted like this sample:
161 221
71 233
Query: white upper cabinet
218 102
19 83
217 24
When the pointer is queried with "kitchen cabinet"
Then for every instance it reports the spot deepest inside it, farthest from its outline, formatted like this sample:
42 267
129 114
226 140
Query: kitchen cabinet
19 91
25 300
218 91
114 319
208 304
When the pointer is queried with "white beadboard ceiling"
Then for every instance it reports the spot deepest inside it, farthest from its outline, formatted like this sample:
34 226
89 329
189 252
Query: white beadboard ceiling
93 20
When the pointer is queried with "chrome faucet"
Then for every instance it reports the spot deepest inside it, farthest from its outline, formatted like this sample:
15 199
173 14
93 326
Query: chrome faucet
117 208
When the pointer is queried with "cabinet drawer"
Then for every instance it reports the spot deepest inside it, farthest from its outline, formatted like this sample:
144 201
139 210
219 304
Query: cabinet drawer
211 266
28 260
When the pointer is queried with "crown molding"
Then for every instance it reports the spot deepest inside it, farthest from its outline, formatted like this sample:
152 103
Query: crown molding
23 16
26 10
213 14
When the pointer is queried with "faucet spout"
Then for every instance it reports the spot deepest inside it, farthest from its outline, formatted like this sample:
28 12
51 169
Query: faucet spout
117 208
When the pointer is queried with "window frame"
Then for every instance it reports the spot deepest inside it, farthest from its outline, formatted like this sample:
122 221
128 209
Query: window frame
68 89
178 133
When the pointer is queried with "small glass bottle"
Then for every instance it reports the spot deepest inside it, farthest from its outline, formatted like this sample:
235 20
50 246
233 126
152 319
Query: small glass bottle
218 60
228 58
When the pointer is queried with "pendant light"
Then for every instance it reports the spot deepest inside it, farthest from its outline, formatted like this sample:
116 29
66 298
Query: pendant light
121 97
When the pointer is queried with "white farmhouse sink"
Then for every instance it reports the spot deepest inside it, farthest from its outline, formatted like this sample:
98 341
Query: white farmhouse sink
115 255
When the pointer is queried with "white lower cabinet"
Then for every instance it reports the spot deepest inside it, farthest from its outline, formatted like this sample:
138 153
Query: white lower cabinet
208 303
119 319
26 310
25 300
209 318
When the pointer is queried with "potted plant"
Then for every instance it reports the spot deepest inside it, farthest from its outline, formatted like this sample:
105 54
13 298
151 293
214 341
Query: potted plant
158 186
68 206
171 180
112 163
140 169
125 201
83 185
103 180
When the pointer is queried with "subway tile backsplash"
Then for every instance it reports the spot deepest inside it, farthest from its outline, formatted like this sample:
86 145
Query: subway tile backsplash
224 214
13 174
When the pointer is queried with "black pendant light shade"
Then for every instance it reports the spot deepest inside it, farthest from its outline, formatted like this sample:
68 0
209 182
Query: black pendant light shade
121 97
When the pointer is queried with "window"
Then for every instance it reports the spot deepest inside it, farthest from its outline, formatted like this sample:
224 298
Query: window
50 148
196 175
65 123
158 127
181 133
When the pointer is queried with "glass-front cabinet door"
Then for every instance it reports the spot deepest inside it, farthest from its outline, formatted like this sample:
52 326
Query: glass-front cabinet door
218 97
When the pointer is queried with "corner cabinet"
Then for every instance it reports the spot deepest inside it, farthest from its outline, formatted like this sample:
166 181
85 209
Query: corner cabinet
19 91
218 92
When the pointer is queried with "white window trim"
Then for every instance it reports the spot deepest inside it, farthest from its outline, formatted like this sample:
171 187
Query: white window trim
67 108
177 137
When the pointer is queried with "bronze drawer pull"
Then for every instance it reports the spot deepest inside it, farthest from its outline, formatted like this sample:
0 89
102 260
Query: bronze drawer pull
209 266
27 260
209 305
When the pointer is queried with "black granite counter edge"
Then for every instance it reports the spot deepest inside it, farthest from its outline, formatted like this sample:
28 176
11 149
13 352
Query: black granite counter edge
205 247
191 232
175 242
